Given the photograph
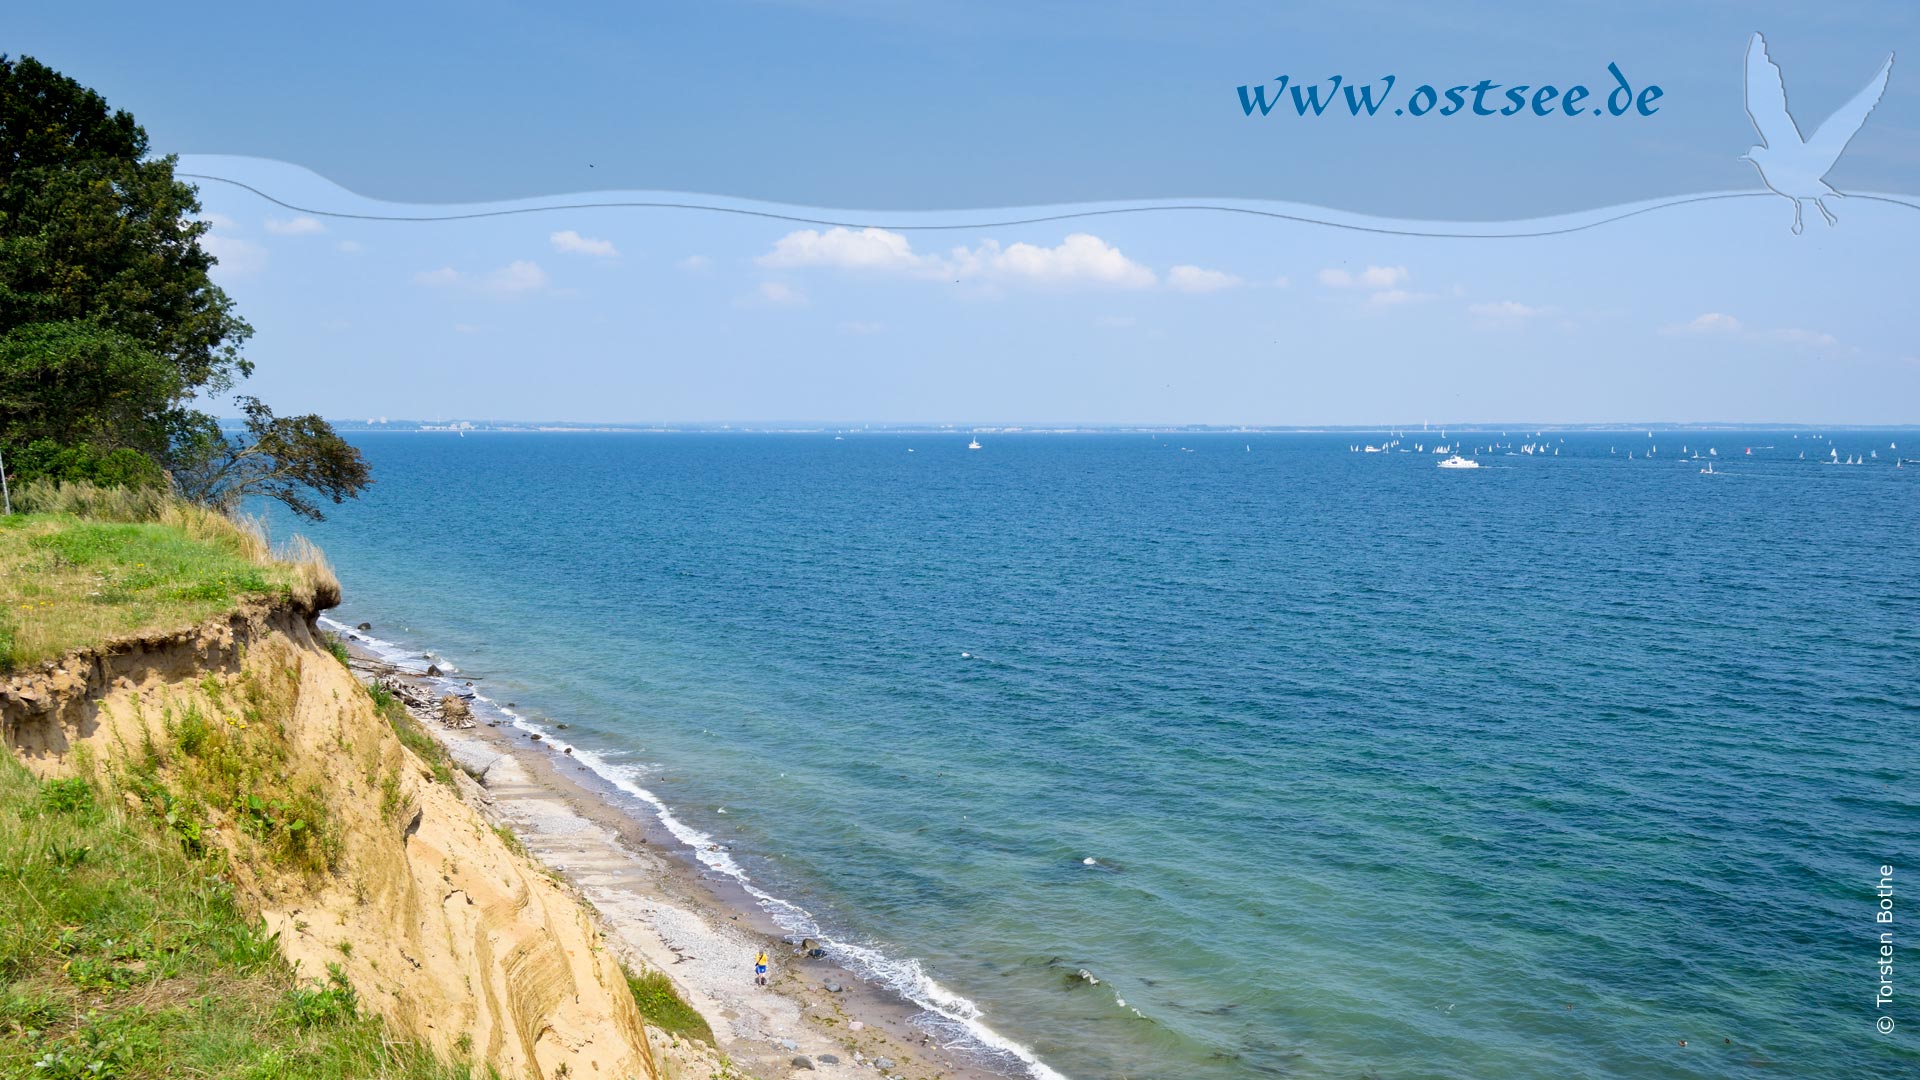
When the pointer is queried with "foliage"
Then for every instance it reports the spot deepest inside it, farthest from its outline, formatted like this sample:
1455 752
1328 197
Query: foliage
134 960
338 648
411 734
664 1008
281 457
85 463
79 382
92 228
231 756
111 327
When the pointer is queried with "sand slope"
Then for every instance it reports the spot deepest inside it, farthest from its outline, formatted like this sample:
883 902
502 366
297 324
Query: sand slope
456 939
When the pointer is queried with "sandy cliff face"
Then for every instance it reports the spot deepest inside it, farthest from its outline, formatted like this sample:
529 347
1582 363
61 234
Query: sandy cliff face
458 940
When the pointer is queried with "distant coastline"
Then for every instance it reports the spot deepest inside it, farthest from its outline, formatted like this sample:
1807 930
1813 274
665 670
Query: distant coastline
843 428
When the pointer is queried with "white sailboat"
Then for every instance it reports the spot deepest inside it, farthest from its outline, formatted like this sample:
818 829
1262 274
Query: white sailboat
975 444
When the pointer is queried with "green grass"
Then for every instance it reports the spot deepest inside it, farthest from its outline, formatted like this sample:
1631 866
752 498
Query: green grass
123 955
82 565
230 754
338 648
65 582
664 1008
411 734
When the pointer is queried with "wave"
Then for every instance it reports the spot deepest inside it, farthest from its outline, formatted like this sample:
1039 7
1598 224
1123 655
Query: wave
950 1015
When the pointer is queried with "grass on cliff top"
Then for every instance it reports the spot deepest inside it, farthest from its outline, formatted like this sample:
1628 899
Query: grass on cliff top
91 564
121 956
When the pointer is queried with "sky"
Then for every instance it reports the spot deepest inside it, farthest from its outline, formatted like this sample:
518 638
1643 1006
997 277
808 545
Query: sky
1702 312
982 103
903 116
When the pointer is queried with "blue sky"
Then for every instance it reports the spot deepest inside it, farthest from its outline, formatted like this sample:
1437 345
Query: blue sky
940 103
1709 312
889 112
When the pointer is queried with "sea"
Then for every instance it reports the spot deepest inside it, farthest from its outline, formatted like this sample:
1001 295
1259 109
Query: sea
1213 755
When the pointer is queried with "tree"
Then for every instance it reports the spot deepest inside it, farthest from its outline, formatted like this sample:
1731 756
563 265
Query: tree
110 325
79 382
91 228
282 457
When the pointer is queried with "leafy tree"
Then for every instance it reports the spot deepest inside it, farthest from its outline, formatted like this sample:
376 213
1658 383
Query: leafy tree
111 328
92 228
282 457
79 382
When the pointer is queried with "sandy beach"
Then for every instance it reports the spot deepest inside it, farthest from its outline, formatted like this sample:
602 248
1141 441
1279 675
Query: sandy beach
662 910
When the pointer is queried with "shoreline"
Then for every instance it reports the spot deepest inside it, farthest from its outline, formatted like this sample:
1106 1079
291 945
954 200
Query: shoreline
668 904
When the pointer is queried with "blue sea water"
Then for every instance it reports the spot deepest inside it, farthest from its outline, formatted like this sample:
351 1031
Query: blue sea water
1387 771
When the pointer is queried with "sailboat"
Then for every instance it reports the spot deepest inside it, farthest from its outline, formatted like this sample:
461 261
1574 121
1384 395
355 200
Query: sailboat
975 444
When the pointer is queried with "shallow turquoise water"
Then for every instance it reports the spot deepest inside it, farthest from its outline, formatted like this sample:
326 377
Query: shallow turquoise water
1388 771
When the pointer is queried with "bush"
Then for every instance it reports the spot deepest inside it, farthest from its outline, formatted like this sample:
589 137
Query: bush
46 460
70 796
664 1008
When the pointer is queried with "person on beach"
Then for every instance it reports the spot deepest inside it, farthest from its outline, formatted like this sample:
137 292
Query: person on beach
760 969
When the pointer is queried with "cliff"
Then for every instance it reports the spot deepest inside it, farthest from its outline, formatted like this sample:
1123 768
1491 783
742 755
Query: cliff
255 745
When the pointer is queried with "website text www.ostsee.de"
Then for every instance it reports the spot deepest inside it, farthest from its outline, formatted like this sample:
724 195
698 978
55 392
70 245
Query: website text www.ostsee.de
1336 95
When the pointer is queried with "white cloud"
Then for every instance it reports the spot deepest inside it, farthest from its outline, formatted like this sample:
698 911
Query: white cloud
1194 279
1080 258
1796 336
575 244
1713 322
300 226
861 329
1373 277
846 249
1282 282
351 247
696 264
465 328
780 294
1720 324
236 257
514 279
1506 310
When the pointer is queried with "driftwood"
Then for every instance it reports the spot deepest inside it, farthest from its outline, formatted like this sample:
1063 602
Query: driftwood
450 710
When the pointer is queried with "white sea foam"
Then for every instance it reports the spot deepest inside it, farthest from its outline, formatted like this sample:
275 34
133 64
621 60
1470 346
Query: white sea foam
950 1012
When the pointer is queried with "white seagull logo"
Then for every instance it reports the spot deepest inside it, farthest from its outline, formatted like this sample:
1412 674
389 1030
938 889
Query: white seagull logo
1791 165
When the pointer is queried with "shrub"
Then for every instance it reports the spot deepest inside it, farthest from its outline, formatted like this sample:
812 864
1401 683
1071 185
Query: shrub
70 796
664 1008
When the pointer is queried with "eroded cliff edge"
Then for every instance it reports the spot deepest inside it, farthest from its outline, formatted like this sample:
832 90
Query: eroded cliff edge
251 739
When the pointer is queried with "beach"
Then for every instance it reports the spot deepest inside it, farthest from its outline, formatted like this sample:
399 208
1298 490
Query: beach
662 909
